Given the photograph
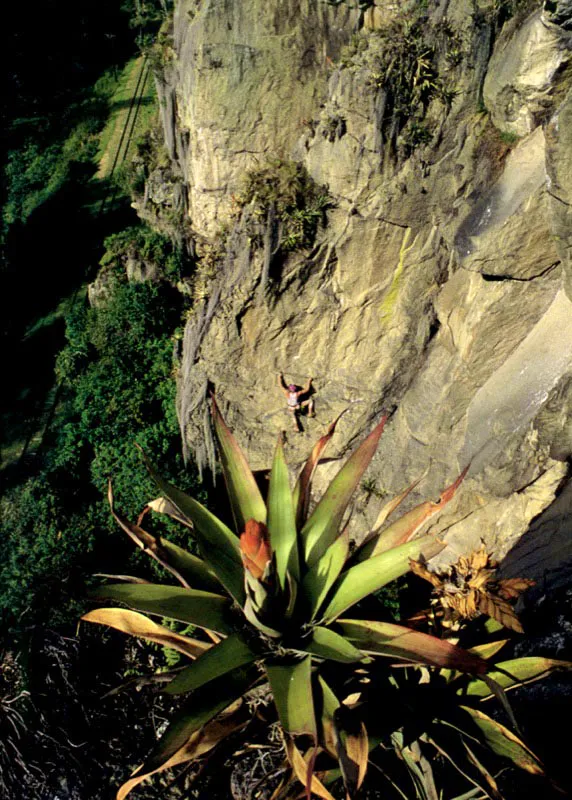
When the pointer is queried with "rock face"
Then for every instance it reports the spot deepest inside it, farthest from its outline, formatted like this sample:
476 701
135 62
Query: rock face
521 76
440 283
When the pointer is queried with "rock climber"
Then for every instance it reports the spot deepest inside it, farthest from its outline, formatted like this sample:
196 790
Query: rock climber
295 404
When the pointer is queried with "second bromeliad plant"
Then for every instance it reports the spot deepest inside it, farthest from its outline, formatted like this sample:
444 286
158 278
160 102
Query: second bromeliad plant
275 600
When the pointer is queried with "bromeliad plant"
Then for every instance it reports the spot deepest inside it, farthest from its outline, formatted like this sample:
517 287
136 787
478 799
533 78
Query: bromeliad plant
274 600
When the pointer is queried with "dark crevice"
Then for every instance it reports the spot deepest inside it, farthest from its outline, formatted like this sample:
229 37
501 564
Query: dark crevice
488 277
496 277
239 317
433 330
559 199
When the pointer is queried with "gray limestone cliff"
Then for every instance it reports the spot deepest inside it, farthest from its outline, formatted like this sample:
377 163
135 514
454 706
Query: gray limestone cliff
439 283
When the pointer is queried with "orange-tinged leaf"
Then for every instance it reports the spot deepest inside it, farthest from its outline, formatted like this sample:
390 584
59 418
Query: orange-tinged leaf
198 743
407 526
135 624
323 525
505 743
396 641
352 748
302 772
302 490
391 505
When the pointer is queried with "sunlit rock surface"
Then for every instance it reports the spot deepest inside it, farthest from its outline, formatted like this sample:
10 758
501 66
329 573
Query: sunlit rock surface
522 70
437 285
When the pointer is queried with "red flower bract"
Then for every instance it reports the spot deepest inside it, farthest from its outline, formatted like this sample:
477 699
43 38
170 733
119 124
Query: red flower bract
255 547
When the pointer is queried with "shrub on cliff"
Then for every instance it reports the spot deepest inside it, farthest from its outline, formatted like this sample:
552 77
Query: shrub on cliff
283 192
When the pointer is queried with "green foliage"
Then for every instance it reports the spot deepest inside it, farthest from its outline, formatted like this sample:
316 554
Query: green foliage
509 138
118 152
160 50
53 152
146 245
147 154
45 542
415 134
146 16
111 409
290 578
35 173
284 190
119 390
407 60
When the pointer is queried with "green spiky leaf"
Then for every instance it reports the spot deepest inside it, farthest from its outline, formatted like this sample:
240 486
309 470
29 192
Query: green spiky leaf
369 576
245 498
291 686
328 644
301 495
321 577
505 743
219 660
409 525
198 711
205 609
515 672
324 523
205 738
488 649
191 571
328 705
218 544
281 520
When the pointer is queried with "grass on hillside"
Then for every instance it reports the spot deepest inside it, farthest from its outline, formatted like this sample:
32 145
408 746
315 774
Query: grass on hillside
42 338
111 137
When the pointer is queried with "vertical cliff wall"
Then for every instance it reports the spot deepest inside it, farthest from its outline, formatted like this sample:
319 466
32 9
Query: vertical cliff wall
440 282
